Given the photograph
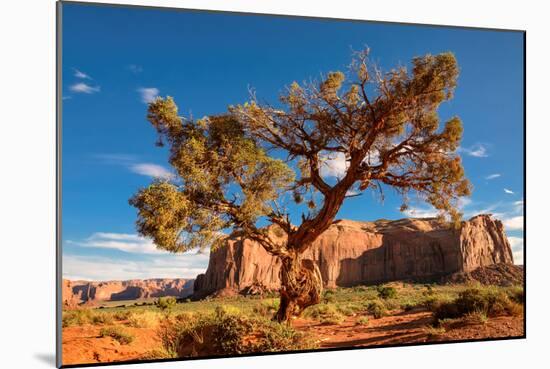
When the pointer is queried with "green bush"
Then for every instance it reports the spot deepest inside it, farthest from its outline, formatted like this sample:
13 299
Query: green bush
122 315
102 318
228 333
408 306
165 303
517 294
377 309
487 301
325 313
117 333
362 321
76 317
385 292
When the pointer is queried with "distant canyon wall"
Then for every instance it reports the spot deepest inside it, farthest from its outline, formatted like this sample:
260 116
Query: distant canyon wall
84 292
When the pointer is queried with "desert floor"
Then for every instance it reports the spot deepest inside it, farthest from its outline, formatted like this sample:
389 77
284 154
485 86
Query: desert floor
345 318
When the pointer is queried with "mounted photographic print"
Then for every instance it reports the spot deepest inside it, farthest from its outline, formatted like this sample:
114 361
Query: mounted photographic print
246 184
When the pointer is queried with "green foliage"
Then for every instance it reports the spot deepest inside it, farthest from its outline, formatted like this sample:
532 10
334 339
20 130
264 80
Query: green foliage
364 320
225 177
325 313
76 317
487 301
228 332
386 292
102 318
165 303
117 333
377 309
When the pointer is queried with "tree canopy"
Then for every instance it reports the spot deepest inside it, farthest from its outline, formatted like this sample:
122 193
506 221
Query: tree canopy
246 164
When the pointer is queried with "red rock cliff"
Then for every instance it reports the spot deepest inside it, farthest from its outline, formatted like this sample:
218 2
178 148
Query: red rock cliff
351 253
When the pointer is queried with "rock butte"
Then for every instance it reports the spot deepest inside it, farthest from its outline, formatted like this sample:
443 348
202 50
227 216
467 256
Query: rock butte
86 292
352 252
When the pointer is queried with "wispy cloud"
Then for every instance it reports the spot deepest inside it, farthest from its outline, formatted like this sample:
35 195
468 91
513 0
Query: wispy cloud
492 176
151 170
80 74
129 243
134 68
477 150
514 223
131 162
421 212
509 192
99 268
148 94
517 249
84 88
334 165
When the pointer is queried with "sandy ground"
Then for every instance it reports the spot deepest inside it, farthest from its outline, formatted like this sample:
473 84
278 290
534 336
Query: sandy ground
82 344
401 328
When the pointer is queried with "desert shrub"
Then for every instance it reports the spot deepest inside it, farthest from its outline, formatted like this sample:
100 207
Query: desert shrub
489 301
386 292
350 309
432 331
117 333
362 321
332 319
377 309
143 320
325 313
158 354
266 308
516 294
76 317
360 289
185 316
328 296
429 291
228 332
408 306
165 303
122 315
476 317
432 302
102 318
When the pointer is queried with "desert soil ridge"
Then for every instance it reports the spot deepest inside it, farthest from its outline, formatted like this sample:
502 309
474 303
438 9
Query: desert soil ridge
87 292
352 252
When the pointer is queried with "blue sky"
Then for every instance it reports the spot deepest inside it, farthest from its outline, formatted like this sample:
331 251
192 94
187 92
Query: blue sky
117 59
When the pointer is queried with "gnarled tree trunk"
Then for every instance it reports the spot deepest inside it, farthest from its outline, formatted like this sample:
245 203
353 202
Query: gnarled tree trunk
301 286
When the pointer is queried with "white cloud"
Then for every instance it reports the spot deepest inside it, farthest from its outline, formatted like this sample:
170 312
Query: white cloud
493 176
151 170
353 192
516 243
334 165
478 150
418 212
84 88
513 223
129 243
148 94
518 257
95 268
509 192
80 74
131 162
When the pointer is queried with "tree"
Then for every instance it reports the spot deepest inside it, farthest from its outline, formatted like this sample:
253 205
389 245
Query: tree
243 167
